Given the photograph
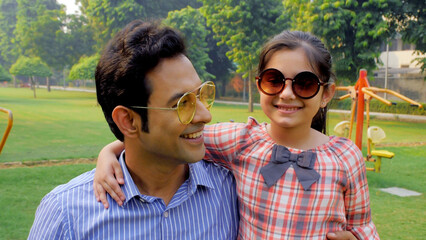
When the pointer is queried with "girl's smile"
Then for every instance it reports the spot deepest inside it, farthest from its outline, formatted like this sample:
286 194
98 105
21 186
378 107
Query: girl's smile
285 109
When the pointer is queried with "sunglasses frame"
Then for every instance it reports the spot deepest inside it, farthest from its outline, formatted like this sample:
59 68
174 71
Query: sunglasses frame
185 94
284 79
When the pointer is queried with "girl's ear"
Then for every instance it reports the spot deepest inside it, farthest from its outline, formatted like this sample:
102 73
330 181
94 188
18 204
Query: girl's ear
328 94
127 121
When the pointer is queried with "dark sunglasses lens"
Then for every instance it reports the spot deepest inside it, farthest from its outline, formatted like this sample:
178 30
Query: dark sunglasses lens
207 94
271 81
186 108
306 85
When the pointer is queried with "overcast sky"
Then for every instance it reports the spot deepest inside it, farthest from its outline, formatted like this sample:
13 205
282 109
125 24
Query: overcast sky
71 6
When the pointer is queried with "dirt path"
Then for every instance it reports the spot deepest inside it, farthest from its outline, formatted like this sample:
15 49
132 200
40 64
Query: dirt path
46 163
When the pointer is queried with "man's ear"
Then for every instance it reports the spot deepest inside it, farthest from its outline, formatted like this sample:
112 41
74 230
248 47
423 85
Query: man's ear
328 94
127 121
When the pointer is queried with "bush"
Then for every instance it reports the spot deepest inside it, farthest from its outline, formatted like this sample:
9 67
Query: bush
4 75
377 106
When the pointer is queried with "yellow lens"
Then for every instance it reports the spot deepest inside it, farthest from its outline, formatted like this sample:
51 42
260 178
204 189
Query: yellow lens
207 94
186 108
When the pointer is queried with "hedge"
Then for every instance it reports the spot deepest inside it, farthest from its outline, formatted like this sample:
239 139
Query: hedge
377 106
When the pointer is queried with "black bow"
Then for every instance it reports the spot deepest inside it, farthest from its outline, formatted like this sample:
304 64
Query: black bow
282 159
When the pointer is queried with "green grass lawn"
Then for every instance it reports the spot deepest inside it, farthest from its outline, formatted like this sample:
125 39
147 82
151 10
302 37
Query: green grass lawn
55 125
60 125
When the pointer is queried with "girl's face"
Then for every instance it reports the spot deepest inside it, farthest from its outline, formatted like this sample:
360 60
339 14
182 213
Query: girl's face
285 109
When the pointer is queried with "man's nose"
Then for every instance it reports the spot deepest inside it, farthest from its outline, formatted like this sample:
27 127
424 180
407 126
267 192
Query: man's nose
202 114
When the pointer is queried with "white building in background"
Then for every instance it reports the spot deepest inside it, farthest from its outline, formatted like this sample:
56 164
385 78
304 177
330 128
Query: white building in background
403 74
401 55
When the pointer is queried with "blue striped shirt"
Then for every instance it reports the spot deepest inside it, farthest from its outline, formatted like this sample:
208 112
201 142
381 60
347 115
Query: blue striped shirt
204 207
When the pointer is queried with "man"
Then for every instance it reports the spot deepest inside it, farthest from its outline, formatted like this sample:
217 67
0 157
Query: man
154 101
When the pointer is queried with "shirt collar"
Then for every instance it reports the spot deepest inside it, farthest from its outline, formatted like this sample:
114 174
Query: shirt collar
129 188
198 176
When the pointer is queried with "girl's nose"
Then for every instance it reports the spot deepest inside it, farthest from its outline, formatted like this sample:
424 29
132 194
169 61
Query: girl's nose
287 92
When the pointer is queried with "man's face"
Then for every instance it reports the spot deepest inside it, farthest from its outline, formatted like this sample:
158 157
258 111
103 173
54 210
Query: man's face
168 139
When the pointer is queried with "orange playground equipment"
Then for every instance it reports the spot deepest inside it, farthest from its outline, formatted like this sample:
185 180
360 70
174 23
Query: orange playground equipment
8 127
361 95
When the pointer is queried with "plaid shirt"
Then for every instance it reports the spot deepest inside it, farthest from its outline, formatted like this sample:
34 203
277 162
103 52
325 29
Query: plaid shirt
338 201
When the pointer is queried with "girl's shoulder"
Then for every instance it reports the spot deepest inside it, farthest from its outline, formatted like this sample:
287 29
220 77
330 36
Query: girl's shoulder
238 133
252 126
342 150
339 146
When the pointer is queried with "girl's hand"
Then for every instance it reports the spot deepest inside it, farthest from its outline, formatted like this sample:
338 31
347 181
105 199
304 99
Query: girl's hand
109 175
341 235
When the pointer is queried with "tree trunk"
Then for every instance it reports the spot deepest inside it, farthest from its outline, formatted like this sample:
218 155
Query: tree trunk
14 81
223 88
250 91
33 85
48 83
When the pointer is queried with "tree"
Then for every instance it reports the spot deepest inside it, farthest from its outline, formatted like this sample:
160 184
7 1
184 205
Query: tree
78 39
243 26
4 75
192 24
108 17
409 19
31 68
8 49
85 68
221 66
28 13
44 31
353 31
299 13
38 23
208 58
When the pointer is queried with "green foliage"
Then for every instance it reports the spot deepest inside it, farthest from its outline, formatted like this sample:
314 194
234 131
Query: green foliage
78 40
193 26
46 37
30 67
108 17
410 21
300 14
85 68
4 75
243 26
353 32
8 49
377 106
27 17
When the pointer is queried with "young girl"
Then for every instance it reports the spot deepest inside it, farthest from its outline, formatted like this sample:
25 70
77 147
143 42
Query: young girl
293 181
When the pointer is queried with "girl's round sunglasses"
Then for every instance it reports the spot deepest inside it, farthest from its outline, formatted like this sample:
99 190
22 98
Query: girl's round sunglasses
304 85
186 104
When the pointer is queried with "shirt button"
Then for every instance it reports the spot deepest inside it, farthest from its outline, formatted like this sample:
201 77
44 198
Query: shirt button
166 214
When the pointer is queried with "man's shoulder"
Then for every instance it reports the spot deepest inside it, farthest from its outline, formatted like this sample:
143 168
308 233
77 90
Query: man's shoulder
215 171
83 181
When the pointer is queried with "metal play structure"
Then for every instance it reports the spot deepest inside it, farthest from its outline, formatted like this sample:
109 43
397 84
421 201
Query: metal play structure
361 95
8 127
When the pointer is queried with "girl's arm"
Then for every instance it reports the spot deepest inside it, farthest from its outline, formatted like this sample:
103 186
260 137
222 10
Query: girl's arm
108 174
357 199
